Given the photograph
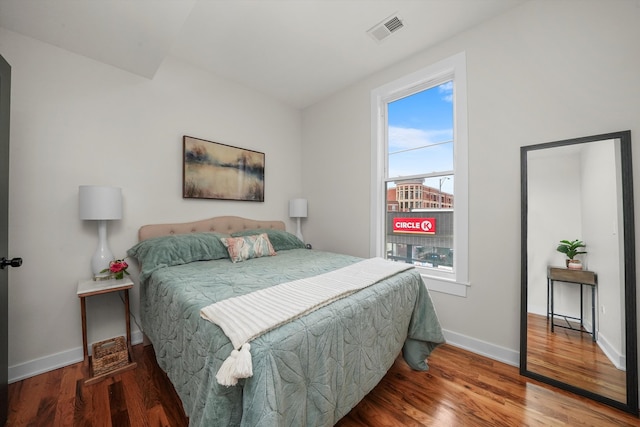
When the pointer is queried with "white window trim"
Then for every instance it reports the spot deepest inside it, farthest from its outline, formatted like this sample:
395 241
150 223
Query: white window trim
455 66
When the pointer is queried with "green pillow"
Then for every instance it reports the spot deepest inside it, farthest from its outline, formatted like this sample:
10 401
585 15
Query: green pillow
280 239
177 249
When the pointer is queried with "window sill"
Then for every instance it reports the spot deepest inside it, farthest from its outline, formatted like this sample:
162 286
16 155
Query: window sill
445 286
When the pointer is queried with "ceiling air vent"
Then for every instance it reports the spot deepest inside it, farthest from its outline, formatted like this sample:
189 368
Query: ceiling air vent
385 28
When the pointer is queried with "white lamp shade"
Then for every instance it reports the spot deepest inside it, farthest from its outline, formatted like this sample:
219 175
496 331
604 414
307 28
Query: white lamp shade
298 208
99 202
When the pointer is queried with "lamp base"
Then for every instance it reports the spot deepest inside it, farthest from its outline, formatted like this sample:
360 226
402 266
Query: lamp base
299 232
103 255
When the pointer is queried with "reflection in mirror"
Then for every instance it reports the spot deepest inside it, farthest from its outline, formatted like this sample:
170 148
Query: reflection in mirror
579 324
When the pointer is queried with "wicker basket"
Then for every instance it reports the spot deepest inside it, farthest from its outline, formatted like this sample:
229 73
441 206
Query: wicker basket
109 355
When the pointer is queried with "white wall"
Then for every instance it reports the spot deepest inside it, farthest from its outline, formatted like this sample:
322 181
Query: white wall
602 207
76 121
554 190
542 72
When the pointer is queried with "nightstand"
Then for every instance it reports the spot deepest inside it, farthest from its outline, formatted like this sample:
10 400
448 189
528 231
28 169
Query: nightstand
88 288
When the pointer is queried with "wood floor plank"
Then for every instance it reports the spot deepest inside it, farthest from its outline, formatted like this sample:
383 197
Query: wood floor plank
158 418
460 389
144 376
49 399
100 402
83 407
65 409
156 388
27 403
118 405
134 397
15 406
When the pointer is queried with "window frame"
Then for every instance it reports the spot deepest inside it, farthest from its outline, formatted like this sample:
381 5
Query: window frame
452 68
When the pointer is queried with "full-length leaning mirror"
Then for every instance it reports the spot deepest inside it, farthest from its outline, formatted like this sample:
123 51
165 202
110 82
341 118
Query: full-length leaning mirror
578 320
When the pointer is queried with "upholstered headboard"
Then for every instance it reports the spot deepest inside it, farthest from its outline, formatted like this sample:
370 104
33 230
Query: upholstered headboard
220 224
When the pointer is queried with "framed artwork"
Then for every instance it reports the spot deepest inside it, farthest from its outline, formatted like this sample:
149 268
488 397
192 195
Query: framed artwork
217 171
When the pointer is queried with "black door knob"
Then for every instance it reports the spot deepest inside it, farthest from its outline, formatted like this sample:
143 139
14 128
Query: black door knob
14 262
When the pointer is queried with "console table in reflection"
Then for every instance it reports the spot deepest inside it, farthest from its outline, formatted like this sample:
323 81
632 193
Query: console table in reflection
582 278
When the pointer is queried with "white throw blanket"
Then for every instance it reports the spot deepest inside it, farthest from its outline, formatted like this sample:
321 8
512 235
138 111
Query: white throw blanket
246 317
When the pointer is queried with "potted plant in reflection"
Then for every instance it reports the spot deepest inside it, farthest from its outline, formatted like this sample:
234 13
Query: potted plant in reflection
571 248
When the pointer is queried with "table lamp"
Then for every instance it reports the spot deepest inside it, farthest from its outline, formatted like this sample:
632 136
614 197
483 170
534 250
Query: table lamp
298 209
100 203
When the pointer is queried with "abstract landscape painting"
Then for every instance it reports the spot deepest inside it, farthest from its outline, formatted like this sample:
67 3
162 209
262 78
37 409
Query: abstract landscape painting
218 171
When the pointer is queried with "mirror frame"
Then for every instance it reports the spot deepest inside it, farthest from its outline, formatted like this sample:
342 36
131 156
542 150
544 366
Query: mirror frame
631 405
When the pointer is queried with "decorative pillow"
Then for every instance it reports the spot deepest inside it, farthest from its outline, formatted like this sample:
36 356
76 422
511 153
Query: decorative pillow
247 247
281 240
177 249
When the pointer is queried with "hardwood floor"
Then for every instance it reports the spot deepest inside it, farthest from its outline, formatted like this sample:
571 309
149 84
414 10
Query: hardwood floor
140 397
572 357
460 389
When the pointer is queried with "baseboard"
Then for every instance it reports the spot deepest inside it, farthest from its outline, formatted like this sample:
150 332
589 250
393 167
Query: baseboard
615 357
69 357
618 360
483 348
54 361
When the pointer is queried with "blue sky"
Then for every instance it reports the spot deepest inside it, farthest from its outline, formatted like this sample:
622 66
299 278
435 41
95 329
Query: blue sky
419 120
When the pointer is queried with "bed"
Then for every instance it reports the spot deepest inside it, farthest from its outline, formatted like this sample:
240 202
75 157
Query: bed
311 370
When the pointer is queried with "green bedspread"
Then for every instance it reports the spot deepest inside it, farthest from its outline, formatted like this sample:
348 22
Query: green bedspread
311 371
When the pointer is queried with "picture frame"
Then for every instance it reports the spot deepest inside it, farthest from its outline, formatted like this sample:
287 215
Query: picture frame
211 170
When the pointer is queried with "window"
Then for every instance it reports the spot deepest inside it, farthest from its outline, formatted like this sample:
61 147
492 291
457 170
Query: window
419 156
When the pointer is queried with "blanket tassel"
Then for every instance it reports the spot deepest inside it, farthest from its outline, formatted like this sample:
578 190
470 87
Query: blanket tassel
238 365
244 367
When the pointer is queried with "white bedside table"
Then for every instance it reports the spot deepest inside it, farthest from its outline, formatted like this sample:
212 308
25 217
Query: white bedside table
88 288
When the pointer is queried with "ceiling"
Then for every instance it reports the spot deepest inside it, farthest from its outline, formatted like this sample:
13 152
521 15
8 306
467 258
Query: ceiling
298 51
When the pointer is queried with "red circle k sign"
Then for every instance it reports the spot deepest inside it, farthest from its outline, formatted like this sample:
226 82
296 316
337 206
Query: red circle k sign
414 225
